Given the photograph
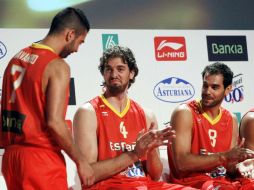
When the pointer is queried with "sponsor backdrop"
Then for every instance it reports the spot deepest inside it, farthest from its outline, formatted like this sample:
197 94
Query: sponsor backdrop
170 63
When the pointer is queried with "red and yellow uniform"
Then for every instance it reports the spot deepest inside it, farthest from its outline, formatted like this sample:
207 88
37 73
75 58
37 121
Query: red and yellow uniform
208 137
117 133
31 154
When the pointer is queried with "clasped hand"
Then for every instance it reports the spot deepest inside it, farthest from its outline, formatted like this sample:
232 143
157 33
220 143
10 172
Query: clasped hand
152 139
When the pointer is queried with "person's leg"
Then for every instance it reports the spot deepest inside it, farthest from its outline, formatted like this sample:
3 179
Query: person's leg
31 168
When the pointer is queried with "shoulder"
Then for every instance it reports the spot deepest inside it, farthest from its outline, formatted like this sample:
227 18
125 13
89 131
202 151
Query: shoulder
182 115
59 64
228 114
247 119
85 113
246 127
57 67
85 108
249 116
182 109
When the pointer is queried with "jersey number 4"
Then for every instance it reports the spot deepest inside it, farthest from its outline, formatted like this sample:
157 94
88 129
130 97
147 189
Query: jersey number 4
123 130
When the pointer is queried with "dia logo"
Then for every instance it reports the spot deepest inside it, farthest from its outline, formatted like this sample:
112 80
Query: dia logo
109 40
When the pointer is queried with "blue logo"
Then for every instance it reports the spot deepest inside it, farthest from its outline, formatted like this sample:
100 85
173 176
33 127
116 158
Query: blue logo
173 90
236 95
109 40
3 50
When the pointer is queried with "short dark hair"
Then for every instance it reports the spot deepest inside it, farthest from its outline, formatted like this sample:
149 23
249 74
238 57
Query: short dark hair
125 54
69 18
220 68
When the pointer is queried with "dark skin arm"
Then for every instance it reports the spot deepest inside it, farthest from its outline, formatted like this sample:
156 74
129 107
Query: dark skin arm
55 84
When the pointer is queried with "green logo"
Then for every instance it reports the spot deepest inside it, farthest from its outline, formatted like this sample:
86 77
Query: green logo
109 40
238 115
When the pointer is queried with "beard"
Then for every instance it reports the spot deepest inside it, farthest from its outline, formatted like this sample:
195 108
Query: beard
210 103
116 89
64 53
67 50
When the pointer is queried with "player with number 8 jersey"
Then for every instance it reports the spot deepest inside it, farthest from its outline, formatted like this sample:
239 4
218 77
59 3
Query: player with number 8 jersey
206 150
209 136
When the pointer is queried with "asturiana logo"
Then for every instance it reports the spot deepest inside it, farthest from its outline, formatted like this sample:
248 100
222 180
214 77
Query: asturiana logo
3 50
174 90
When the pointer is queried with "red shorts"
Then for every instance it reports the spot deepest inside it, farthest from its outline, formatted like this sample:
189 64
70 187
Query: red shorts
205 182
31 168
137 185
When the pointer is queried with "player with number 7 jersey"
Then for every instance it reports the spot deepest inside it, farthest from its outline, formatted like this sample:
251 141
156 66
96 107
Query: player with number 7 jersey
23 114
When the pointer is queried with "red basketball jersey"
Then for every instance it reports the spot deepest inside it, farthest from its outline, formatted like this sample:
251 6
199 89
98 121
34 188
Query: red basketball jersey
23 107
208 136
117 133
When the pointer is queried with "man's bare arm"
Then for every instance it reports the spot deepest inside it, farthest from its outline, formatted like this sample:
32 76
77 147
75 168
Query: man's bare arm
185 161
85 126
55 84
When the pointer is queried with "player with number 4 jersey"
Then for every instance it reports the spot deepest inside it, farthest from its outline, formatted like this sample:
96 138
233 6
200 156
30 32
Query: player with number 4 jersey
119 138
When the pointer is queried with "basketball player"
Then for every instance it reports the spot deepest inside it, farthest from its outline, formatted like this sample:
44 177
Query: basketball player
117 136
206 149
246 168
34 101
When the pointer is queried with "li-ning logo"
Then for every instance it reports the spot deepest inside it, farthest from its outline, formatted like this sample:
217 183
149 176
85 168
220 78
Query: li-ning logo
170 48
109 40
227 48
3 50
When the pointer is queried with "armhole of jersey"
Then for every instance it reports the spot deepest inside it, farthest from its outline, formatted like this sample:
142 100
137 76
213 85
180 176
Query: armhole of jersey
94 104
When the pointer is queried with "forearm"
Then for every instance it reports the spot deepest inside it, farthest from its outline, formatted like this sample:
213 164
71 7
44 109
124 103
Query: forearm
231 168
107 168
191 162
63 138
154 165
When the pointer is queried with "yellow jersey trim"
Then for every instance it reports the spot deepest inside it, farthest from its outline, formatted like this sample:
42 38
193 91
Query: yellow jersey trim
42 46
212 121
120 114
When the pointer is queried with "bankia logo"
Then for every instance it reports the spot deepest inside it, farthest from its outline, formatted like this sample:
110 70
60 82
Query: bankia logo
236 95
3 50
227 48
170 48
109 40
173 90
